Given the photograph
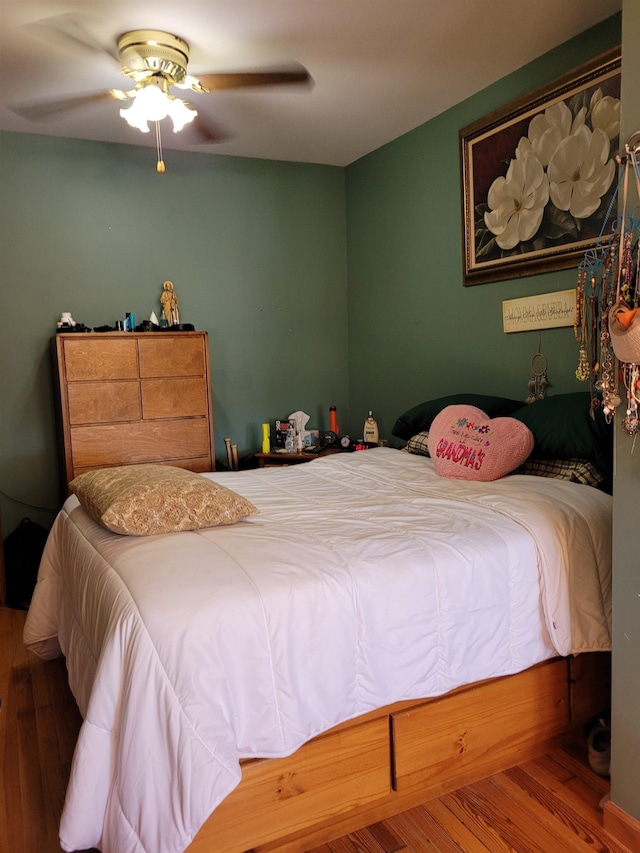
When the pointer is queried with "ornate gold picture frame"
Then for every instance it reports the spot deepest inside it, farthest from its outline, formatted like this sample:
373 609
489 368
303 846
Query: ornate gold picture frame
539 174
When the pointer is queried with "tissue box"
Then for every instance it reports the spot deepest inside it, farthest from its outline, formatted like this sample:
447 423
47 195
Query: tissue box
312 437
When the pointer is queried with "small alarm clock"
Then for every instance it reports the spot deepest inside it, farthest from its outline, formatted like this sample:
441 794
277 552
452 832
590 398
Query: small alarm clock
330 438
345 442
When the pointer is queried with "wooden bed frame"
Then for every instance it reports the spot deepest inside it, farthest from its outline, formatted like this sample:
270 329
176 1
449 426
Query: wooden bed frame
368 769
113 409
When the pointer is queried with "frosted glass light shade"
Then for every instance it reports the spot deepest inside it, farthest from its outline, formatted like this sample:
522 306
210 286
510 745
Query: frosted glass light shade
151 103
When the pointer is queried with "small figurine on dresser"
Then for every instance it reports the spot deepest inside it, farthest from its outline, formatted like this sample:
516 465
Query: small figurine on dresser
66 321
169 302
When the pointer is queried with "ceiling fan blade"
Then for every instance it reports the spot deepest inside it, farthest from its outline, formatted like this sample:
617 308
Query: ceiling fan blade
70 30
242 79
202 131
43 110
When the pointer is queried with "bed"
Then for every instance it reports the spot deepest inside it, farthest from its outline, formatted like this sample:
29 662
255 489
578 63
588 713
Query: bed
372 635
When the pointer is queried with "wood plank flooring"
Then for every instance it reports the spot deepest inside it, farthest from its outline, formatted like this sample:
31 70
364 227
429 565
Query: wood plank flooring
548 805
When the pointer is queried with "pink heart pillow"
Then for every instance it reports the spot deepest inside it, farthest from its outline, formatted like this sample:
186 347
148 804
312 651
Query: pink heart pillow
466 444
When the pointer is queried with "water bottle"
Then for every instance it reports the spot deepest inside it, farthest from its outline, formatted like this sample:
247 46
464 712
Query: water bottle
290 440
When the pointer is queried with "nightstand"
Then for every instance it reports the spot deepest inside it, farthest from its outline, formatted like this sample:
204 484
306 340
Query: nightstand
271 460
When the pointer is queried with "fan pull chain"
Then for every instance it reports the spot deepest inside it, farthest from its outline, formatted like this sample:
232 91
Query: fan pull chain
160 163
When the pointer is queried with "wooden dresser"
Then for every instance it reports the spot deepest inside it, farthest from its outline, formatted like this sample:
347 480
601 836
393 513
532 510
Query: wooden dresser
131 397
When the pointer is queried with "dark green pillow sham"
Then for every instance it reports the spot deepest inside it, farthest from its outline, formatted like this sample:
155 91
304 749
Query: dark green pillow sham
563 428
419 418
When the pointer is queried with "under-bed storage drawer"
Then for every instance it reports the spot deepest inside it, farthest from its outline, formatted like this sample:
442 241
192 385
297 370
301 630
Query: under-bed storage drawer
448 743
590 686
323 780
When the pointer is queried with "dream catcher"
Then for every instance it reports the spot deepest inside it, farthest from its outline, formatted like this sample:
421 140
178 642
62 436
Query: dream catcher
538 383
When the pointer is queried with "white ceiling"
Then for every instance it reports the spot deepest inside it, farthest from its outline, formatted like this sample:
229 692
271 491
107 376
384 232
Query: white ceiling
380 67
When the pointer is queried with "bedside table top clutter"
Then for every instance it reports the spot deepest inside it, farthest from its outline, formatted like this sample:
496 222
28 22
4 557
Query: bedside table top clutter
293 443
271 460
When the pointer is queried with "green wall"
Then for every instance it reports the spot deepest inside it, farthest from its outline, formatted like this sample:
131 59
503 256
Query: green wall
256 250
414 331
260 253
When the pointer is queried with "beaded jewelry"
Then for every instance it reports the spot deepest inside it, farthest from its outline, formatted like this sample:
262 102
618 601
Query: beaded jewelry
583 371
631 423
607 275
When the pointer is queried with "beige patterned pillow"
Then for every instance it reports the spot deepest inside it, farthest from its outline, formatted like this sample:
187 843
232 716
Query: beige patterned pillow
142 500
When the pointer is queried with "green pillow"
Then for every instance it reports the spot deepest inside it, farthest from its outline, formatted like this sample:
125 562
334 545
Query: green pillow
563 428
419 418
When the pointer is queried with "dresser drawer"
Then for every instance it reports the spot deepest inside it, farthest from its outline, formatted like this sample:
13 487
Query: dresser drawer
103 402
87 358
174 398
199 465
147 441
178 356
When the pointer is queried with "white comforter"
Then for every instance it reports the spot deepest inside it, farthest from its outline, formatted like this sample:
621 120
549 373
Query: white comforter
366 579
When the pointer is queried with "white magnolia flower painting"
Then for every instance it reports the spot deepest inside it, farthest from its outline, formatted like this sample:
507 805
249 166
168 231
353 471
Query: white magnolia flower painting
538 181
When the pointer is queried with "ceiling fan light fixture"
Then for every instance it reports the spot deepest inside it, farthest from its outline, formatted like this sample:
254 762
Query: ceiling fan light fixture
152 51
152 102
180 113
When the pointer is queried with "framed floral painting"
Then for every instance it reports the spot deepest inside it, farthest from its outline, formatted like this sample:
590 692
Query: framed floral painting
539 175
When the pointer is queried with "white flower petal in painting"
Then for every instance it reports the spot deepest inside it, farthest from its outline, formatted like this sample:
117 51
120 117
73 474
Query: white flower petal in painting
517 201
580 172
524 148
605 113
548 129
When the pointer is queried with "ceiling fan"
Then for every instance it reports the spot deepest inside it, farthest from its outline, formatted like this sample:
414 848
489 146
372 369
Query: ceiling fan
155 61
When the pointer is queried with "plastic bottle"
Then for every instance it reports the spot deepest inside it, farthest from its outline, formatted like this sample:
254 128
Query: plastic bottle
370 430
333 420
290 440
266 441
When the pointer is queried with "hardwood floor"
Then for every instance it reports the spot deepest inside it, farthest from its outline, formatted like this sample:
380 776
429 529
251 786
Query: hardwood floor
548 805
